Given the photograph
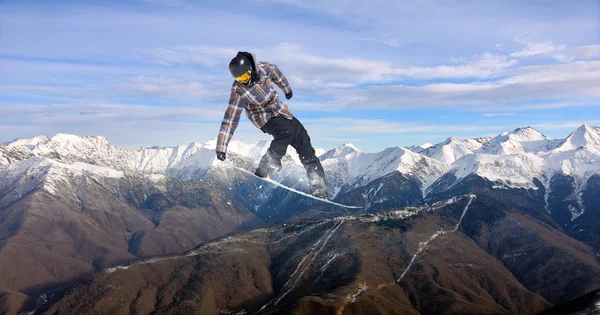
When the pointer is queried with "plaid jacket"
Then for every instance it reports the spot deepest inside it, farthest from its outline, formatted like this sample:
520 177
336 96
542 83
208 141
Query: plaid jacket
259 99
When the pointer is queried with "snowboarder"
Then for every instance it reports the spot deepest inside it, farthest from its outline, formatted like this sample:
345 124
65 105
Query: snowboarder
253 91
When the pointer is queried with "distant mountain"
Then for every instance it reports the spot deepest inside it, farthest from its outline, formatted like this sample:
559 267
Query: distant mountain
71 206
452 149
585 137
27 142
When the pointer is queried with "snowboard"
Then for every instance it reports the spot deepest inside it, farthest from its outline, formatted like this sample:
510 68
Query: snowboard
268 180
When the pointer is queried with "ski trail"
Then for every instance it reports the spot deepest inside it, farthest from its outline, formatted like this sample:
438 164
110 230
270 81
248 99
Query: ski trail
297 274
463 215
310 262
328 262
298 234
296 191
422 247
425 245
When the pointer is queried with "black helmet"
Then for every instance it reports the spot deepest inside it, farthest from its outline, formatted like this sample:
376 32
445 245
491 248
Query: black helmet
239 65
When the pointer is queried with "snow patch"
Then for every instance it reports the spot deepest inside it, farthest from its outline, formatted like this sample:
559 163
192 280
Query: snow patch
351 298
111 270
30 143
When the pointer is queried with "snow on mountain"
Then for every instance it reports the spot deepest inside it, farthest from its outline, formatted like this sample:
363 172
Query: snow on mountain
426 145
452 149
187 162
14 153
586 136
253 151
356 169
90 149
512 171
28 142
420 148
340 151
521 140
513 159
22 177
578 155
157 160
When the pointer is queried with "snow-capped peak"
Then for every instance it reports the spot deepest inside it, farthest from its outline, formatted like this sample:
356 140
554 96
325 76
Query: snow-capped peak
358 168
341 151
510 170
350 145
66 139
453 148
27 142
585 136
23 176
521 140
210 144
527 134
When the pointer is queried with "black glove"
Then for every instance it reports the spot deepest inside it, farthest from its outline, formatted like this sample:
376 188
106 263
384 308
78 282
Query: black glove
288 95
221 156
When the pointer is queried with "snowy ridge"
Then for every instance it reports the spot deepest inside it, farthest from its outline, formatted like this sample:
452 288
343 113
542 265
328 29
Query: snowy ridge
511 171
587 137
92 149
358 169
452 149
27 142
340 151
515 159
511 160
22 177
521 140
3 160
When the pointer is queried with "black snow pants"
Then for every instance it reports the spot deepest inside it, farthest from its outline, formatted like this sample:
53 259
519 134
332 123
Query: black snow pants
291 132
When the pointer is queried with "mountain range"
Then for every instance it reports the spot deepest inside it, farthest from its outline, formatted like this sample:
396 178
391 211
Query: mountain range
506 224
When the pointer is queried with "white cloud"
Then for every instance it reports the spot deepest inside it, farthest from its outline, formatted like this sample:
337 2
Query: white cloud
365 127
548 48
209 56
62 113
548 85
165 87
499 114
310 70
384 40
586 52
558 52
570 125
357 70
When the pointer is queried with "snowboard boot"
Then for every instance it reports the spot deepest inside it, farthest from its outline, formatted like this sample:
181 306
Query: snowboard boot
261 173
267 165
318 188
320 193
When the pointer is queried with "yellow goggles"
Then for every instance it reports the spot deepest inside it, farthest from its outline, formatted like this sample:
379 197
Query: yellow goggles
244 77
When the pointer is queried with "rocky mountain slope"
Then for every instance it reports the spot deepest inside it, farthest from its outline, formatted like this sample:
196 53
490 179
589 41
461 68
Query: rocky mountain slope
417 260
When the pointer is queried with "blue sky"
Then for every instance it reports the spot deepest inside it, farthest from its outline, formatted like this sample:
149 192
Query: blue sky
373 73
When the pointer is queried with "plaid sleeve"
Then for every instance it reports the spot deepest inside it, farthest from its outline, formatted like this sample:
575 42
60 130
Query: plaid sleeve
230 120
279 79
